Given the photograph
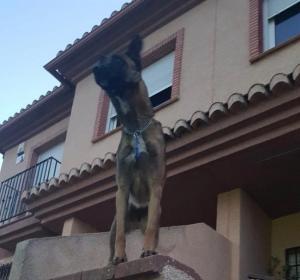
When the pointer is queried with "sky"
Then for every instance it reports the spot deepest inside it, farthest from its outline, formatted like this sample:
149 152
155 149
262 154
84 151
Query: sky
31 34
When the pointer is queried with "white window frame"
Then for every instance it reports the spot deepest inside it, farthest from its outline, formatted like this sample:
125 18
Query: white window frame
20 153
269 21
112 117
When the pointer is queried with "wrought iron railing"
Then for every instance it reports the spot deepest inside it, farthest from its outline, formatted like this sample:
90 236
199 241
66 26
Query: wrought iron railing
12 188
5 271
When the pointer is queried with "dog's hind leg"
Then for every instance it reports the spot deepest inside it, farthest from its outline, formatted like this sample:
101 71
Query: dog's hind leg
121 213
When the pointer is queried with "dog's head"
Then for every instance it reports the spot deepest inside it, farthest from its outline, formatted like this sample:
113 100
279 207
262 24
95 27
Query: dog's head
115 73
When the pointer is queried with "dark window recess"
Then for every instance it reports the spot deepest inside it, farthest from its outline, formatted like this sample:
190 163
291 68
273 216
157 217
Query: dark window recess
293 263
287 24
161 97
156 100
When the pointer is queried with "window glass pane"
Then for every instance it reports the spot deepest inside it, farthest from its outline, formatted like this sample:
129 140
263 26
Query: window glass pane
291 258
158 75
287 24
277 6
292 272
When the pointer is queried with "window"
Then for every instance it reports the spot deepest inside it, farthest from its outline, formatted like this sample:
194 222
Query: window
161 72
293 263
281 21
112 118
53 166
20 153
158 79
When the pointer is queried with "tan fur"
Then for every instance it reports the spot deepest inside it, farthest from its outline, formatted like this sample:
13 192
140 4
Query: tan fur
140 179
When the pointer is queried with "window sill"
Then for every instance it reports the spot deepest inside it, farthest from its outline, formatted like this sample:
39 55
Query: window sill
274 49
156 109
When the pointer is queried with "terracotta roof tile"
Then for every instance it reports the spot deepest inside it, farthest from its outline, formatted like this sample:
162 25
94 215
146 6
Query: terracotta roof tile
236 102
181 127
124 8
198 119
97 164
168 133
279 82
217 110
296 74
257 93
115 13
85 169
29 106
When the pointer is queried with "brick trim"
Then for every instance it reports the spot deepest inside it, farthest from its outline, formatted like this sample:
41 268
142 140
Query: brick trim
101 118
174 43
255 28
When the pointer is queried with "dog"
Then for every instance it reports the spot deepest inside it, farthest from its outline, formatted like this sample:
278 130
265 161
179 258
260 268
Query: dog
140 166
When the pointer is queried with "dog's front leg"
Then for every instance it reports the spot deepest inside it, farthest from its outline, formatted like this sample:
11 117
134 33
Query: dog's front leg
121 210
152 228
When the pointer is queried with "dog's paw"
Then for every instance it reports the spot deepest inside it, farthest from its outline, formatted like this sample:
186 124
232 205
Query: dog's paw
148 253
118 260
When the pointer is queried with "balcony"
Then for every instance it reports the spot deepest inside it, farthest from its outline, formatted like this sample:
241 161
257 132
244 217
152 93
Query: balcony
5 271
12 188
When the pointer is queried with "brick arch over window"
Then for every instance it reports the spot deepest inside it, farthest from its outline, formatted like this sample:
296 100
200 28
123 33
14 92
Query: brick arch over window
255 28
170 44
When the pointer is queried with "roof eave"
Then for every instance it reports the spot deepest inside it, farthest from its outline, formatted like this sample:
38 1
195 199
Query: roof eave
76 60
106 23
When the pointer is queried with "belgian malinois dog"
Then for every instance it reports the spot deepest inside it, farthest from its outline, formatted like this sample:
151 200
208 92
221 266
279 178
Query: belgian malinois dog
141 153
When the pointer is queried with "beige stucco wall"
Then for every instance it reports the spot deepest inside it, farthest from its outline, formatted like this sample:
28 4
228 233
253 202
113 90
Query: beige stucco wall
246 225
215 65
10 168
285 234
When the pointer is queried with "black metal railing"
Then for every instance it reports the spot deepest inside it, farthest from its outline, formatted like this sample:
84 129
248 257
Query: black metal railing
5 271
12 188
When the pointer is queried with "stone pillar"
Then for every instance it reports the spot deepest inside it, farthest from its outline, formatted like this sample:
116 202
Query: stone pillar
247 226
74 226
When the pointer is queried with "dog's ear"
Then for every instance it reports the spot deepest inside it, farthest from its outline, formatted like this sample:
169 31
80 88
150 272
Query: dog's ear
134 51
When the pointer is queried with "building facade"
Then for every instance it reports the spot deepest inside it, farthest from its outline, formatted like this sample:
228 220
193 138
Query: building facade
224 79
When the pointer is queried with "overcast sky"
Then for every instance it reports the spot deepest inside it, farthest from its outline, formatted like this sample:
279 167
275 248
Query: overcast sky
31 34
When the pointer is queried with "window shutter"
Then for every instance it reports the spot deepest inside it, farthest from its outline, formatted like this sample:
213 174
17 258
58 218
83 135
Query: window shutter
277 6
158 75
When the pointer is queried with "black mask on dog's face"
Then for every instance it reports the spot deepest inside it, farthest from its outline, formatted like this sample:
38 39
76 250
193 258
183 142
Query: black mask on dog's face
115 73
